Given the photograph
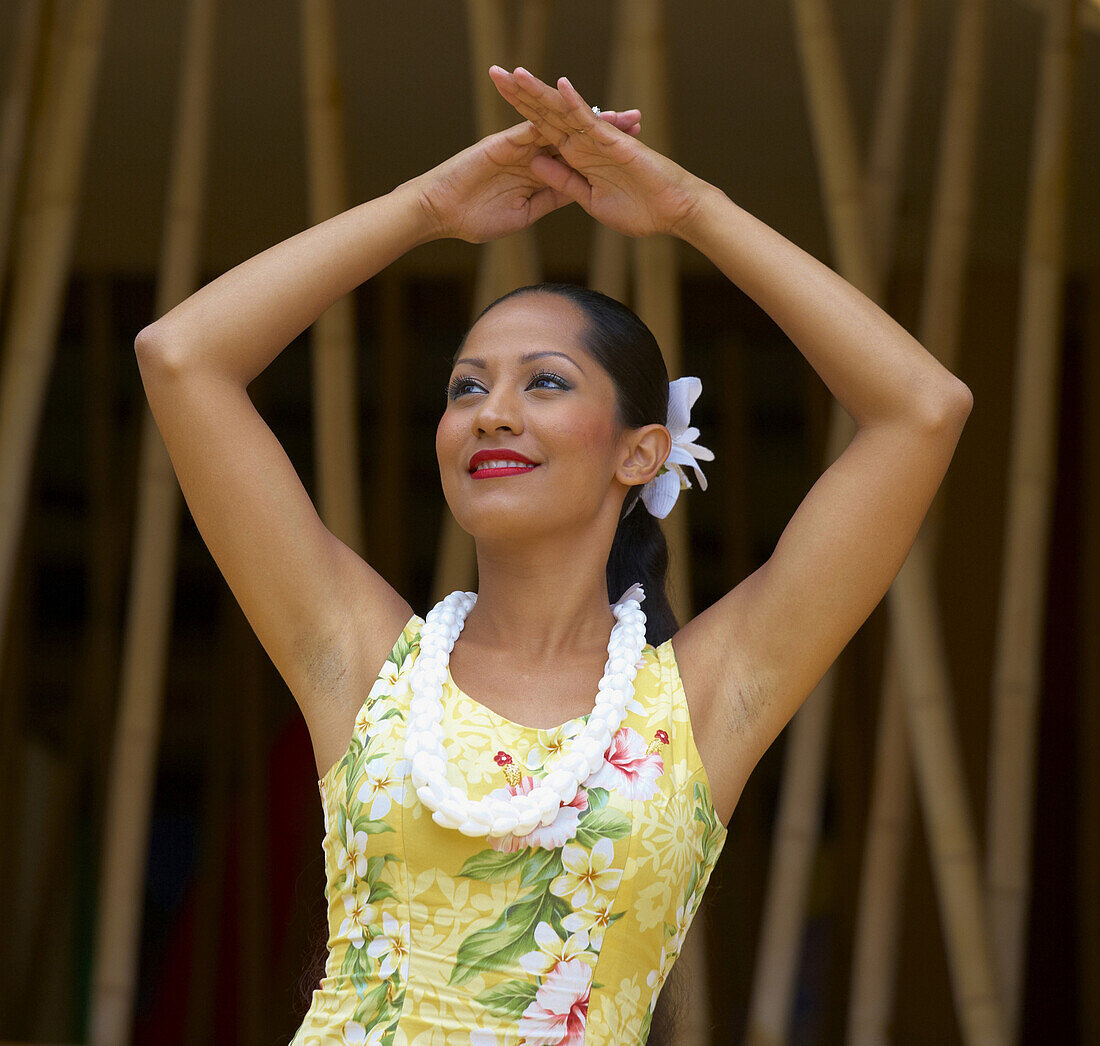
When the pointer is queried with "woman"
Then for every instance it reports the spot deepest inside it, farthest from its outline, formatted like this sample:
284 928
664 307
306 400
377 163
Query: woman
524 866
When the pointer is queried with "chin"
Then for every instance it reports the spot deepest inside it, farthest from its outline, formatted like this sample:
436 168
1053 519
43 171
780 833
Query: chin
496 524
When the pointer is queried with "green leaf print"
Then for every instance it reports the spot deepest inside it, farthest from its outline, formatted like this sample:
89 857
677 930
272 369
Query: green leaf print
509 999
400 650
597 799
365 824
381 892
542 867
491 866
603 824
373 1001
512 935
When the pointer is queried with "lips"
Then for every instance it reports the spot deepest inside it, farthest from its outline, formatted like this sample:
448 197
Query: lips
486 463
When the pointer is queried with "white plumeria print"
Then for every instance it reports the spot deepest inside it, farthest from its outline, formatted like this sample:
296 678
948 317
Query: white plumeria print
684 914
369 721
392 947
356 1035
387 678
552 950
352 858
550 743
656 978
384 785
360 914
586 873
594 920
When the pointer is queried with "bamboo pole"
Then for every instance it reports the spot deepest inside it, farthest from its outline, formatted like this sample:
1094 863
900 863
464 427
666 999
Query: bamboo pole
798 823
875 954
502 264
794 843
64 83
65 801
928 709
332 336
608 270
1027 527
13 118
914 625
133 757
885 161
658 304
44 248
656 268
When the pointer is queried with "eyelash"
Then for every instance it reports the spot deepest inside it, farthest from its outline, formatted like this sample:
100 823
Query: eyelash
456 387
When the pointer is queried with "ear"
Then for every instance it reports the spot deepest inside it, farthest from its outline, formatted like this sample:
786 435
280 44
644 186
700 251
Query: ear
645 451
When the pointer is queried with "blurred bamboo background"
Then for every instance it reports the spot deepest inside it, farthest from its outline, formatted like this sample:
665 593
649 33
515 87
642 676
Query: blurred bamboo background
917 858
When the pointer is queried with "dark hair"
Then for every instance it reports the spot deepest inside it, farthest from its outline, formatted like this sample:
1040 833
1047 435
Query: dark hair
626 349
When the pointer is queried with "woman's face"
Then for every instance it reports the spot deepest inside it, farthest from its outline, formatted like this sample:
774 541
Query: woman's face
524 384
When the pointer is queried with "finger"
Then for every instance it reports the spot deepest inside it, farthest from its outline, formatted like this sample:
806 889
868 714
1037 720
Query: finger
569 115
546 200
573 100
621 117
523 133
562 178
526 104
623 121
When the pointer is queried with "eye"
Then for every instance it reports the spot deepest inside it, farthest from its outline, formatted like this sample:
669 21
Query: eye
461 385
556 380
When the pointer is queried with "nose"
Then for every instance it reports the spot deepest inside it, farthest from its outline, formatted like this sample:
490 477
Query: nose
498 411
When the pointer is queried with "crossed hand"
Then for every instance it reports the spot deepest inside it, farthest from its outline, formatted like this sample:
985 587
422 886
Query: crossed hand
562 152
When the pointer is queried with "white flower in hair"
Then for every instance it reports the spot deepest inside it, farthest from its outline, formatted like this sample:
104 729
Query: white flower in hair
661 492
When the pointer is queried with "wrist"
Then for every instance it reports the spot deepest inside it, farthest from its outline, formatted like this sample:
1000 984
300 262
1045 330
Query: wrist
424 222
705 197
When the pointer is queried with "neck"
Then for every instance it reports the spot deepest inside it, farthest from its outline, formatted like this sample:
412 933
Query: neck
543 602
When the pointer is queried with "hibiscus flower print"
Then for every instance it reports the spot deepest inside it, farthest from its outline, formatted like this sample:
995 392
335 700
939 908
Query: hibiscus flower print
557 1015
627 768
557 833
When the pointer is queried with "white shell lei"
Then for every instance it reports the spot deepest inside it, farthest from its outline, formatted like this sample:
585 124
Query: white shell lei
518 814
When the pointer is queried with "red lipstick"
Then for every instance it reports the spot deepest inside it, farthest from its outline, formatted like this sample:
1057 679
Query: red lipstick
498 468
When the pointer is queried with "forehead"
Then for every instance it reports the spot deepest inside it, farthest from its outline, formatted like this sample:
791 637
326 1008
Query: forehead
526 323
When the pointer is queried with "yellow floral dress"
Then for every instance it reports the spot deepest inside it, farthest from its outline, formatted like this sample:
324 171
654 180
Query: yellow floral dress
564 936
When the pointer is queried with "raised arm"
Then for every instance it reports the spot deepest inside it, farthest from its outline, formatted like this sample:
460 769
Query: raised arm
761 649
752 658
325 617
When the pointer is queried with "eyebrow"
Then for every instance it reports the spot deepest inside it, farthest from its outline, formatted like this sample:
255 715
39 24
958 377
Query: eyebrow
527 357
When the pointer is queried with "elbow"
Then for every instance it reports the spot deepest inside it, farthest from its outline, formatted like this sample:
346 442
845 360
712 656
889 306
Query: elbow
154 351
148 344
946 410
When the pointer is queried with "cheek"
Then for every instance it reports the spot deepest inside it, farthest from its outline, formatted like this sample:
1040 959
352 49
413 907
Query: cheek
445 435
593 434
